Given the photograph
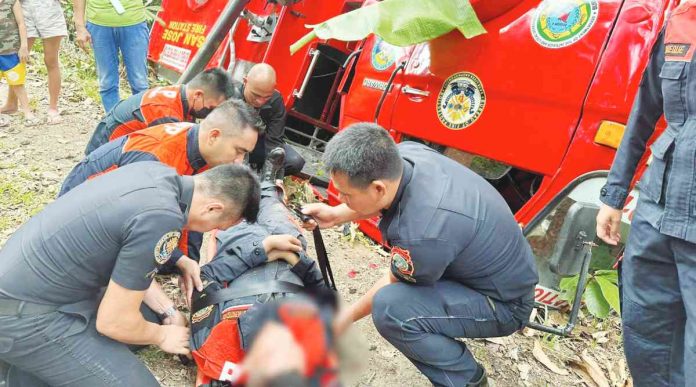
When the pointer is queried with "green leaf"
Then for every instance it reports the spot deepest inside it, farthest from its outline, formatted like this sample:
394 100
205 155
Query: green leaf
595 301
610 292
610 275
399 22
568 286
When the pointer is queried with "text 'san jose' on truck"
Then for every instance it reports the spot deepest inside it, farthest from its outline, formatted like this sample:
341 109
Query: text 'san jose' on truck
537 106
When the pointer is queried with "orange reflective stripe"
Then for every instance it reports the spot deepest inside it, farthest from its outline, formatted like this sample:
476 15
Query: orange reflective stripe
107 170
127 128
166 142
162 102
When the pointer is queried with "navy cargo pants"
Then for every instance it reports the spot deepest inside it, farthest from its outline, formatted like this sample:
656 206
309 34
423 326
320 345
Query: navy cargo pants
63 348
423 321
659 306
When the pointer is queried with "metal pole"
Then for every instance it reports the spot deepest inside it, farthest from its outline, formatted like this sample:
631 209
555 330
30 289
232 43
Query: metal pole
217 34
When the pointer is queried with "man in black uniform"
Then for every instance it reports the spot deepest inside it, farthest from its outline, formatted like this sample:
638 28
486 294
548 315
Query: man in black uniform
113 231
258 90
658 273
460 266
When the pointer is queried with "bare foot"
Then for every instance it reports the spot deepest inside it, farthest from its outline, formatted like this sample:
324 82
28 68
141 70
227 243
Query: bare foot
53 117
30 119
8 109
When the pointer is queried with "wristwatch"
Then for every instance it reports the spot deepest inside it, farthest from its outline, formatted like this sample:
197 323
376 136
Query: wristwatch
169 312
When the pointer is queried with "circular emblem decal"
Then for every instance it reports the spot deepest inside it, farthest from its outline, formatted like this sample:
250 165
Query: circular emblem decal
383 55
461 101
560 23
166 246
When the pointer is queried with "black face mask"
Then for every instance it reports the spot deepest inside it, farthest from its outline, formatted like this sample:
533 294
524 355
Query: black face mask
201 113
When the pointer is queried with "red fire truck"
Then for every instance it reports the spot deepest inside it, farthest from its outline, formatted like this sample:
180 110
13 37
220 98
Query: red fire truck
537 105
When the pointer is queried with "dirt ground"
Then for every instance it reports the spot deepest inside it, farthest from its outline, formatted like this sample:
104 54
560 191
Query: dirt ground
34 161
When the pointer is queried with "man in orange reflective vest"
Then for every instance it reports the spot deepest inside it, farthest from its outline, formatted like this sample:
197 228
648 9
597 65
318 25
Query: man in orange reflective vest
161 105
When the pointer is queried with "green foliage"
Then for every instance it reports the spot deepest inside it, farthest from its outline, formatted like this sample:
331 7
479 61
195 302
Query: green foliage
596 304
601 294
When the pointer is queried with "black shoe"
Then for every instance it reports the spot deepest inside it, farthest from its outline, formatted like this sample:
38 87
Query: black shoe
273 167
480 379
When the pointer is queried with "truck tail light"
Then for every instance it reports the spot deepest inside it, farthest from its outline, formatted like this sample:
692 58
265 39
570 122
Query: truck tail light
610 134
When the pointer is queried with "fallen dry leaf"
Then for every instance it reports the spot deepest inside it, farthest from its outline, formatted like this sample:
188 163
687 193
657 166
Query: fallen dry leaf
543 359
588 365
583 375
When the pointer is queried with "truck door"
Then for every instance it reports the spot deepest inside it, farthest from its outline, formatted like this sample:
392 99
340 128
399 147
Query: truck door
513 95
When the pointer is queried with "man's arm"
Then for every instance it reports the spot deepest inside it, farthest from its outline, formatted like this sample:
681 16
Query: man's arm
157 300
363 306
326 216
83 37
24 45
119 317
148 240
646 111
275 125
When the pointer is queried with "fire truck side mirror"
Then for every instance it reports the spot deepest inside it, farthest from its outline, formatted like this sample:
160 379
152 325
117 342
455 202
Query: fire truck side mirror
578 227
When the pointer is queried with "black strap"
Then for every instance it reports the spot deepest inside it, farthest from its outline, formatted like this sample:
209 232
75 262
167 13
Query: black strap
323 259
232 293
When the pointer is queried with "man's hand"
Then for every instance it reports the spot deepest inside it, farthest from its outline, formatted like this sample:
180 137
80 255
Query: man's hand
282 243
324 216
177 319
84 39
343 321
609 225
23 54
174 339
287 256
190 277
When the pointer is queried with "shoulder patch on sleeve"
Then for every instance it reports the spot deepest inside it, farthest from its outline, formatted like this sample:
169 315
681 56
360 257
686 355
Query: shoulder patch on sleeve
402 262
166 246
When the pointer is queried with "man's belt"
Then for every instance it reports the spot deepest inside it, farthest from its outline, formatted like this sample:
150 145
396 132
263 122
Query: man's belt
24 308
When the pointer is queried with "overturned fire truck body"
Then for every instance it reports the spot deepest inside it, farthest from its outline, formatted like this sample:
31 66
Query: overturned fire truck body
537 105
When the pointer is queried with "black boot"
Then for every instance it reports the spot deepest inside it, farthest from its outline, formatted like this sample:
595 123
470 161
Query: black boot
480 379
273 166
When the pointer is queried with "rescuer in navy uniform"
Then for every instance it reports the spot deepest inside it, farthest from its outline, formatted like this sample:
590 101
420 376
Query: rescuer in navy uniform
659 265
111 232
460 266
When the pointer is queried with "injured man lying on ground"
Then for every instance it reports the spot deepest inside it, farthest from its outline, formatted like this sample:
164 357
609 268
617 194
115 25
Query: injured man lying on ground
245 290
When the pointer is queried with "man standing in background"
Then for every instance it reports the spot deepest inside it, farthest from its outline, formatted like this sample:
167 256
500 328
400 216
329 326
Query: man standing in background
112 26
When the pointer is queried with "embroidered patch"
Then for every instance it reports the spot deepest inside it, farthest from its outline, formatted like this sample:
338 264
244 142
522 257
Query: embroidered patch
233 312
560 23
166 246
461 101
201 314
677 49
401 261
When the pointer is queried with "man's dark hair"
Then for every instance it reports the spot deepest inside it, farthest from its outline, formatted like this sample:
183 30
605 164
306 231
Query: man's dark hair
364 152
236 185
215 82
232 116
